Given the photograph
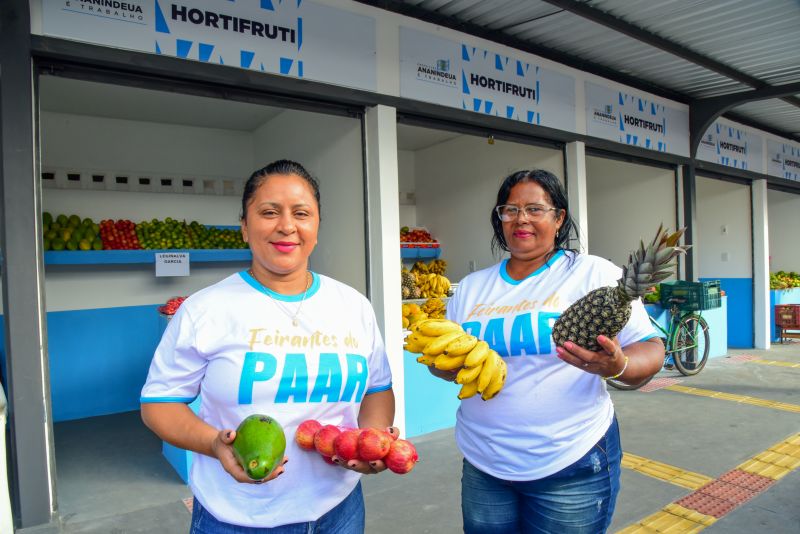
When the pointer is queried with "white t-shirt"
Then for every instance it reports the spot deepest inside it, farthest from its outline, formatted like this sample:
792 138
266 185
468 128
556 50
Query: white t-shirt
549 414
232 345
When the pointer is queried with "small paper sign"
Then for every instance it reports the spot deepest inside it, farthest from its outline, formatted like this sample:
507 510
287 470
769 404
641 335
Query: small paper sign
172 264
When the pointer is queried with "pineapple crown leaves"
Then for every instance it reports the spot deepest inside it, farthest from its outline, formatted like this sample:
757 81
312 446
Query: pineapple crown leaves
650 264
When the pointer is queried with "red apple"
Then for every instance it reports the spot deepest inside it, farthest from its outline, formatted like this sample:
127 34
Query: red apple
373 444
346 444
402 457
304 436
323 440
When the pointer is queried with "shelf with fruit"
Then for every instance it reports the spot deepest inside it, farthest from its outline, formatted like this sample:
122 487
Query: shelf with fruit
70 240
418 243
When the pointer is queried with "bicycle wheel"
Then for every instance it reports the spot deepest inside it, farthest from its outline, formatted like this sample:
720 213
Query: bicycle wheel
691 345
627 387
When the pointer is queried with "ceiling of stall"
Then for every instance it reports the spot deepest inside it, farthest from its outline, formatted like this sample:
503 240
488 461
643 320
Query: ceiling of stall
416 138
66 95
686 50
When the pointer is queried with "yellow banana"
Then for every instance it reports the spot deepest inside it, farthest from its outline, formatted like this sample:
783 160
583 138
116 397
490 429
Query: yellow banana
468 390
436 347
449 363
419 339
477 355
426 360
496 383
461 345
468 374
439 327
488 370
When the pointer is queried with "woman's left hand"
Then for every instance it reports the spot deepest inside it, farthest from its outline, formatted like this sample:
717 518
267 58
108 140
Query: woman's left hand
364 467
605 363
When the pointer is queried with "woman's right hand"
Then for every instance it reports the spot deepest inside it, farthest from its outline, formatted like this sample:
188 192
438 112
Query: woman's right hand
450 376
224 453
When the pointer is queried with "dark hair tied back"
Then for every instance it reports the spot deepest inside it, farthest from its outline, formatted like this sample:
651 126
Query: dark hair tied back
283 167
552 186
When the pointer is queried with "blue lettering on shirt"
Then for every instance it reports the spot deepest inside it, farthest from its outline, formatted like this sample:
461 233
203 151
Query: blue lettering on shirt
357 374
522 336
250 375
329 379
494 336
294 380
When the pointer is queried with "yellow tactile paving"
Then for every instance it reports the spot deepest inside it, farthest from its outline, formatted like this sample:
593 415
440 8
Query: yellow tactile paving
777 461
673 519
662 471
776 363
743 399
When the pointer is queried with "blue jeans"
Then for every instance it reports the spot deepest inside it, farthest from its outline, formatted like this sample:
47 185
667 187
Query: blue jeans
579 499
346 518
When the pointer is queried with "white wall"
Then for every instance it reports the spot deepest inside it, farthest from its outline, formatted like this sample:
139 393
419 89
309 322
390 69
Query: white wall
104 144
456 187
405 179
724 221
329 147
784 222
627 202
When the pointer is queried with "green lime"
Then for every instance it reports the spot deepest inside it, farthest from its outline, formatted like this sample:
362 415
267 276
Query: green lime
97 244
72 245
47 218
85 244
57 244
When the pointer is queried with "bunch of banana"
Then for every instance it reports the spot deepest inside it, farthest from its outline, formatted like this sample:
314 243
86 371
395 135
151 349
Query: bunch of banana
434 307
437 267
432 285
484 372
420 267
444 344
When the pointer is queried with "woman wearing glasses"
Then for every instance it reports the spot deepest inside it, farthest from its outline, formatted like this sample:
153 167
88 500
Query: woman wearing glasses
544 455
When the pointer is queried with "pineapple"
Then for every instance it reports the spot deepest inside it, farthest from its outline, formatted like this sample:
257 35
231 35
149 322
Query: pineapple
408 284
606 310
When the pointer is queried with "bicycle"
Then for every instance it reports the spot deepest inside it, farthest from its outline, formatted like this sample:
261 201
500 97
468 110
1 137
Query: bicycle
686 340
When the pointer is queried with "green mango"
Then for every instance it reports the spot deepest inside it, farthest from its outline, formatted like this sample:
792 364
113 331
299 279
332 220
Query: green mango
259 445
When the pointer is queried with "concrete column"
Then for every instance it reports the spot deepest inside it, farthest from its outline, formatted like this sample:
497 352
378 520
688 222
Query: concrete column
383 214
576 190
688 218
32 462
761 311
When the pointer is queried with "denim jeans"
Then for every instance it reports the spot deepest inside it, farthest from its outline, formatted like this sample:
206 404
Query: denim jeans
346 518
579 499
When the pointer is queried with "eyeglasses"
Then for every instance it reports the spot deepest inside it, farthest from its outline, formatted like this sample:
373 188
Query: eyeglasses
509 212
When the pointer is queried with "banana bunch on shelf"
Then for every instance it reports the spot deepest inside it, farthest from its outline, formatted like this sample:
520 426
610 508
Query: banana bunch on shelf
444 345
432 285
435 308
435 267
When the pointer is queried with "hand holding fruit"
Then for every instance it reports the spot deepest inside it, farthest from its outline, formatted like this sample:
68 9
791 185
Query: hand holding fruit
364 450
223 451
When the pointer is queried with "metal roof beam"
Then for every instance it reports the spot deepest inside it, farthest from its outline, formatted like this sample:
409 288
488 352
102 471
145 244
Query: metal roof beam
671 47
704 111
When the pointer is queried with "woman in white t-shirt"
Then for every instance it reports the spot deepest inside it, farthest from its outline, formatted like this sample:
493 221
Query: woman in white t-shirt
544 455
279 340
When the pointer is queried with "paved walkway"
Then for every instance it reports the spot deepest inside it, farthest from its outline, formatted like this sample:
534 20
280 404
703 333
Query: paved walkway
719 452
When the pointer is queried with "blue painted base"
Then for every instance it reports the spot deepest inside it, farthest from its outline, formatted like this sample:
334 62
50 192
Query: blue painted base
99 359
780 296
740 311
180 459
717 325
431 403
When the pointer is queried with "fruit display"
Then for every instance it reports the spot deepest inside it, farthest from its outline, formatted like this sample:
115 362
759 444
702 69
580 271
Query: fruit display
259 445
71 233
606 310
416 236
64 232
365 444
435 308
444 345
412 313
429 279
119 235
784 280
171 306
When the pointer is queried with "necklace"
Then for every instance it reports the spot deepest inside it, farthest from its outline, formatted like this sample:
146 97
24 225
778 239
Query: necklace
295 322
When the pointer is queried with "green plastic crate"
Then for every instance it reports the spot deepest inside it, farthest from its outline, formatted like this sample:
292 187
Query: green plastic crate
691 296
